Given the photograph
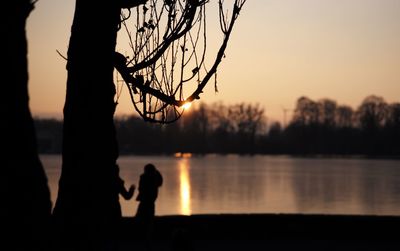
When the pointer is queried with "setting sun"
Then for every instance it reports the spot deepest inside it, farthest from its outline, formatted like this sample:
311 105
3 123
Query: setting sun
187 105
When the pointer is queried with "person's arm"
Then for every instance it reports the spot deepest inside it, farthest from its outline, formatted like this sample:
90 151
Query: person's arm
127 195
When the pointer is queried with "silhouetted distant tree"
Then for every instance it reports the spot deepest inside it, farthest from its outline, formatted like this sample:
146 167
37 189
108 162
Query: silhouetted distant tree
346 135
393 119
302 130
25 201
275 129
327 112
326 125
372 113
392 130
222 128
306 112
248 121
315 127
344 116
274 142
372 116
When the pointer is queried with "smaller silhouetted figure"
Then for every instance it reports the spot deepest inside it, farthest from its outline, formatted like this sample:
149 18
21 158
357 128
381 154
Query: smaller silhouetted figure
149 183
126 194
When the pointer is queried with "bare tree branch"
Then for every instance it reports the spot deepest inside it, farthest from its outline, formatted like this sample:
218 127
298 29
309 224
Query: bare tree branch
157 83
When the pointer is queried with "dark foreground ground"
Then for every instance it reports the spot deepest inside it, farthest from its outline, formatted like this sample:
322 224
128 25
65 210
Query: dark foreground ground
265 232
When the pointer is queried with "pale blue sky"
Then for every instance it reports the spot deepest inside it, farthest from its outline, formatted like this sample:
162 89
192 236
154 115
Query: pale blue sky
280 50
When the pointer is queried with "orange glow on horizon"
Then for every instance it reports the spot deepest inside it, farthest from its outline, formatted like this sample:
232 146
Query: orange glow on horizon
182 155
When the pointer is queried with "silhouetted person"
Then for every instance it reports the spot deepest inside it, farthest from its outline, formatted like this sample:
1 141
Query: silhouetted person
149 183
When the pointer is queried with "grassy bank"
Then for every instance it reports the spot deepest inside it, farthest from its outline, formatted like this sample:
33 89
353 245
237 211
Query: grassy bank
267 231
276 226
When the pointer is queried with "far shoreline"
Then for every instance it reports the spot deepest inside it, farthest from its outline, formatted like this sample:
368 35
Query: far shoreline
296 156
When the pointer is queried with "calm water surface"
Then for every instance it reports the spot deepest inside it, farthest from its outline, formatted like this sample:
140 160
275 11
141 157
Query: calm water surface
261 184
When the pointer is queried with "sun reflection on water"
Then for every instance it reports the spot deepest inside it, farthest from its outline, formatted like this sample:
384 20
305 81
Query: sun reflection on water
185 193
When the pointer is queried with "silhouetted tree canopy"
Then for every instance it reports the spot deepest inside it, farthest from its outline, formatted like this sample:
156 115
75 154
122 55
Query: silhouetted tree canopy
87 207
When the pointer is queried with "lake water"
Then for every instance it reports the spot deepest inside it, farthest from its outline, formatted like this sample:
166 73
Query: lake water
261 184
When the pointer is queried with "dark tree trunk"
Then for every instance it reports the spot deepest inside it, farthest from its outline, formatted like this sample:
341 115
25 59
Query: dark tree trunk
26 199
87 205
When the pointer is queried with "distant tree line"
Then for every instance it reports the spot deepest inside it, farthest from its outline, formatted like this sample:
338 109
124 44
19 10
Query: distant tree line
316 127
324 127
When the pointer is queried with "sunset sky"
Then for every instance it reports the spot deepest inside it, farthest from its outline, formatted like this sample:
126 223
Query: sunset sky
280 50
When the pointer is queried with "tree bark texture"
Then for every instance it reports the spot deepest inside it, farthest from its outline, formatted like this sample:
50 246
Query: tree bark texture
25 202
88 202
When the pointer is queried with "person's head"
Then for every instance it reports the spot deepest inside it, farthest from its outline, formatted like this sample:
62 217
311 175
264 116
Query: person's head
149 168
